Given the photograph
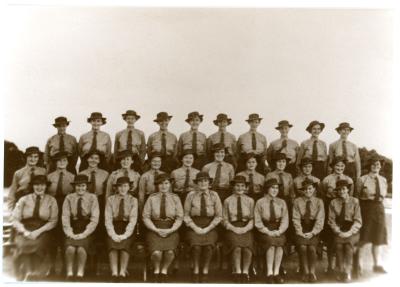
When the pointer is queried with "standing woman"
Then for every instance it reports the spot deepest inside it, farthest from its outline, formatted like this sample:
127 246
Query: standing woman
371 191
33 217
120 219
162 215
203 212
345 221
238 213
272 220
315 149
80 217
308 220
254 179
348 150
22 177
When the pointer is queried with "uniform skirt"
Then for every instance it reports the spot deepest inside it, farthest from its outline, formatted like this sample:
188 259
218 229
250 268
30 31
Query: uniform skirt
319 169
265 241
307 227
344 227
79 226
234 240
373 229
125 245
157 243
38 246
209 238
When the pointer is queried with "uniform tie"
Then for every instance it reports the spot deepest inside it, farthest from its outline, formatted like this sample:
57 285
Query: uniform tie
342 215
163 144
203 207
284 144
344 148
59 190
315 151
377 189
194 143
79 213
93 181
251 184
253 141
281 185
94 141
222 138
126 173
37 207
32 172
239 209
217 176
307 214
272 215
187 179
121 209
129 141
163 214
62 144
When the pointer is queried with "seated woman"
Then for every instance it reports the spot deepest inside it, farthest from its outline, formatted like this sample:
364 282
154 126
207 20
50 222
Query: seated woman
120 219
238 215
308 220
345 222
34 215
80 216
272 220
162 215
203 212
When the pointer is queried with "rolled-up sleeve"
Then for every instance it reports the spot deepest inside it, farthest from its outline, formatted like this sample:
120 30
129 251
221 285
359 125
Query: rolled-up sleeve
94 217
285 219
332 218
319 218
218 210
258 223
66 217
17 216
108 218
296 218
133 216
187 209
178 215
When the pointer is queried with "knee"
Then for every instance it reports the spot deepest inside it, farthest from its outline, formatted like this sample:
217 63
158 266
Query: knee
339 247
81 251
312 249
156 254
70 250
237 250
302 249
169 253
348 248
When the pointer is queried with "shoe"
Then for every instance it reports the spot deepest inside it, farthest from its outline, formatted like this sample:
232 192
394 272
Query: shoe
245 278
270 279
346 277
339 276
163 278
379 269
156 278
305 278
282 271
195 278
312 278
114 279
204 278
278 279
237 277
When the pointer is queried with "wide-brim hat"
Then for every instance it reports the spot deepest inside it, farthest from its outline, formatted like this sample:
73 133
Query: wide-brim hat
59 155
161 178
270 182
238 179
283 124
222 117
94 151
186 152
338 159
60 121
193 115
39 179
253 117
314 123
374 159
305 160
155 154
162 116
307 182
202 175
80 178
130 113
249 155
95 116
32 150
124 154
344 126
123 179
218 146
342 182
279 156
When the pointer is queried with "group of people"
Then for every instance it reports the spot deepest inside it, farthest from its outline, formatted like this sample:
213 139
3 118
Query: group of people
259 200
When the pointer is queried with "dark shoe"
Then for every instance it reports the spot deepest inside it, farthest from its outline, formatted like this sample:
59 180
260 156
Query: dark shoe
79 279
278 279
114 279
282 271
195 278
312 278
245 278
270 279
70 278
339 276
204 278
305 278
156 278
237 278
346 278
163 278
379 269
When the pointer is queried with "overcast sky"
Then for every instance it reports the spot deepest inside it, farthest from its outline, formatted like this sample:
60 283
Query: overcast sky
299 65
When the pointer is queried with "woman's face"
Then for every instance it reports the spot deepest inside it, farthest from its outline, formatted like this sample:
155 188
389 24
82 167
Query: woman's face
281 164
163 124
155 163
307 169
376 167
93 160
123 188
239 188
32 159
284 131
195 123
164 186
219 155
96 124
80 188
130 120
339 167
309 191
251 164
203 184
187 160
222 124
344 133
254 124
39 189
316 130
343 192
62 163
126 162
273 190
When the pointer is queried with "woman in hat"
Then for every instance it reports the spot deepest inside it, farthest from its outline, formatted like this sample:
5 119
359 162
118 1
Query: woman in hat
308 220
345 221
284 145
194 140
60 185
95 140
162 215
203 212
184 176
371 191
61 142
34 216
221 171
22 177
131 139
126 160
272 220
222 136
252 142
315 149
80 216
121 215
348 150
164 142
238 213
306 168
255 180
328 192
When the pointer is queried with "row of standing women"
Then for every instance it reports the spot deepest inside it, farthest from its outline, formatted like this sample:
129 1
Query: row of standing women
92 201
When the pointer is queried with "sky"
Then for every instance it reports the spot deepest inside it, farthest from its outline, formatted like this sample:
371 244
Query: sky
294 64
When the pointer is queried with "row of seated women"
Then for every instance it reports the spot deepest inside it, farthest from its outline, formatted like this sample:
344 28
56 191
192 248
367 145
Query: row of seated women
251 219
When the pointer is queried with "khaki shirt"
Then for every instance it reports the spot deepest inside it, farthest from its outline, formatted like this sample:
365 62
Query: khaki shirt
53 177
53 146
112 212
179 176
262 213
138 142
353 213
317 214
291 149
244 143
366 187
185 142
103 144
154 143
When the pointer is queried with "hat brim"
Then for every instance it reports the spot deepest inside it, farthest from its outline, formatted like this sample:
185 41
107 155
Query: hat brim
189 119
182 156
215 150
47 183
202 178
57 125
217 121
279 127
40 153
80 182
125 115
250 120
233 182
162 119
340 128
304 187
118 184
308 129
104 120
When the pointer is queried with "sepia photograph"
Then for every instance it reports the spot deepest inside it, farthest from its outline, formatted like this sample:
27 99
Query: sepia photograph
235 145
